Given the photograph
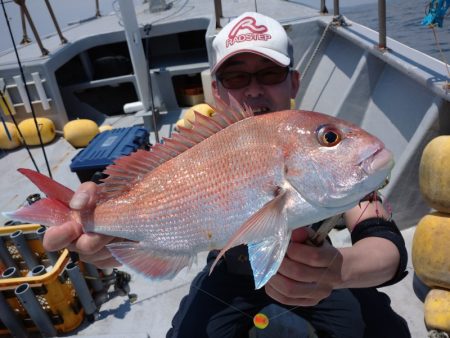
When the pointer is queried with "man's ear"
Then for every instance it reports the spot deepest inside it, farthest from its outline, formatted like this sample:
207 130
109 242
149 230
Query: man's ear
215 89
295 82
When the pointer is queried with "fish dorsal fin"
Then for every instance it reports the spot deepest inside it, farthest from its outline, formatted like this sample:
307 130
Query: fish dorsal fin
127 170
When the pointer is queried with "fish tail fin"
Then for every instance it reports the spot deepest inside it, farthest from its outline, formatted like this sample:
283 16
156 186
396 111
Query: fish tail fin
48 211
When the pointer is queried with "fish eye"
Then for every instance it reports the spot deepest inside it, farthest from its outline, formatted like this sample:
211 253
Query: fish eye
328 136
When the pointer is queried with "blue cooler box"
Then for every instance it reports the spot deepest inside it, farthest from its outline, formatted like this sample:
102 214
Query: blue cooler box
104 148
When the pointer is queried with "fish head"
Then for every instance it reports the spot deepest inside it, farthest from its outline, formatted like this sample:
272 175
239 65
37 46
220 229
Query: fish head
331 162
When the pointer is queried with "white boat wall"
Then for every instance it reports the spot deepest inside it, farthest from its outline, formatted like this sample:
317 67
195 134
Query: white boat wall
397 93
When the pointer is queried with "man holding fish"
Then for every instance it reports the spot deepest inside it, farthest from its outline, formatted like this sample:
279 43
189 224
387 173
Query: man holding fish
333 288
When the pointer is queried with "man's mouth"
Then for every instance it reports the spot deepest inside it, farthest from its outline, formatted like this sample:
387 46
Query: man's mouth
260 110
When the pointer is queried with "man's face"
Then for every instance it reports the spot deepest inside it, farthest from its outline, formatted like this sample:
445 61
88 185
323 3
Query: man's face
261 97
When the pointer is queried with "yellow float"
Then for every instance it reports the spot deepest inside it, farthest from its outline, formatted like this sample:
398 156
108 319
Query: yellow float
434 173
5 142
437 310
80 132
431 250
105 127
30 134
201 108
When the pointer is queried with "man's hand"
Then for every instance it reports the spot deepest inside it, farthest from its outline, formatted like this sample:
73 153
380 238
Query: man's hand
307 274
90 246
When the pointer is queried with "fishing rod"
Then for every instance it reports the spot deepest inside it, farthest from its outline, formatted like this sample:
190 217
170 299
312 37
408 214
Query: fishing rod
22 74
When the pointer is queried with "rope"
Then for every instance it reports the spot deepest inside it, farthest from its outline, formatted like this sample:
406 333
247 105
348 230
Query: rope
337 21
313 55
444 59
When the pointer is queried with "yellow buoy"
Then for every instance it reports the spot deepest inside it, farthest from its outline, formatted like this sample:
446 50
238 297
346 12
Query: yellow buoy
201 108
261 321
29 132
105 127
5 142
80 132
183 123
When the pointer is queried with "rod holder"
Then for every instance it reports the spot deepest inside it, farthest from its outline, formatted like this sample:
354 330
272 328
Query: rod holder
28 300
51 255
18 238
10 272
5 256
13 323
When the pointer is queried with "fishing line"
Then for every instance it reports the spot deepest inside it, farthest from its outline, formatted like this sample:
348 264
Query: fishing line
18 130
22 74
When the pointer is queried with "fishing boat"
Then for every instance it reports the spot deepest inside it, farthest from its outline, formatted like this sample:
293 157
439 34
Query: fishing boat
147 64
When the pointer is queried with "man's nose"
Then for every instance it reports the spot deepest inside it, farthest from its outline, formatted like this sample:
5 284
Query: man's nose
254 88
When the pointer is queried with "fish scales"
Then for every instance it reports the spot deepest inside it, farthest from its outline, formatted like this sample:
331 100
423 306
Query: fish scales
201 197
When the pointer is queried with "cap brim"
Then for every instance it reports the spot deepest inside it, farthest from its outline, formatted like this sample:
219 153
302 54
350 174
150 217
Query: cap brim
271 54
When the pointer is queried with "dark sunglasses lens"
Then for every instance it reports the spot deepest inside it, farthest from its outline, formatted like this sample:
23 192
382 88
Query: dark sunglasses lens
235 80
272 76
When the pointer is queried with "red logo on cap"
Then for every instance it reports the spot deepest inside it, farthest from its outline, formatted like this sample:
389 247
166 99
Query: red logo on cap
254 32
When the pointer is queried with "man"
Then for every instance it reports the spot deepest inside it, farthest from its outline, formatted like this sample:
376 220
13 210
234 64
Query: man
251 62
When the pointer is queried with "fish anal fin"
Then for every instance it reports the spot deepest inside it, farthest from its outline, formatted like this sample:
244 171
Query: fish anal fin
151 263
268 222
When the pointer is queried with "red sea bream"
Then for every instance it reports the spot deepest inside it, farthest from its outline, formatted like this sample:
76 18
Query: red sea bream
234 178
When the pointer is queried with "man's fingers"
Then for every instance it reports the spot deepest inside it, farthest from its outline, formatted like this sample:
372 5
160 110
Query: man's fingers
300 235
59 237
90 243
289 300
84 197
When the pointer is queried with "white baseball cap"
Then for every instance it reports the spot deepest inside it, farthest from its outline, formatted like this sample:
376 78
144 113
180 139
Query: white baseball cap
252 33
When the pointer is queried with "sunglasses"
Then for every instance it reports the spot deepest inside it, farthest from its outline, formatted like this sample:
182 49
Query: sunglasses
268 77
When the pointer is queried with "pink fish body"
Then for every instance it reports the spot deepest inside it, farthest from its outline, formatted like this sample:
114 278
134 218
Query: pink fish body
233 179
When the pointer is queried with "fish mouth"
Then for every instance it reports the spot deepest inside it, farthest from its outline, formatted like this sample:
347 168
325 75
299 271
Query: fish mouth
381 159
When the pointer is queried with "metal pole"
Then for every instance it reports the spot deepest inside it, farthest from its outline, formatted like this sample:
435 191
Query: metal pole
323 7
27 298
55 22
22 5
97 9
336 7
81 288
138 60
25 37
382 24
218 11
18 238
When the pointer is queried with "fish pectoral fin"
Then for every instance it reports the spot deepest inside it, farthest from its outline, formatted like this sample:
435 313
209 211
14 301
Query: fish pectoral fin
269 221
149 262
266 256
